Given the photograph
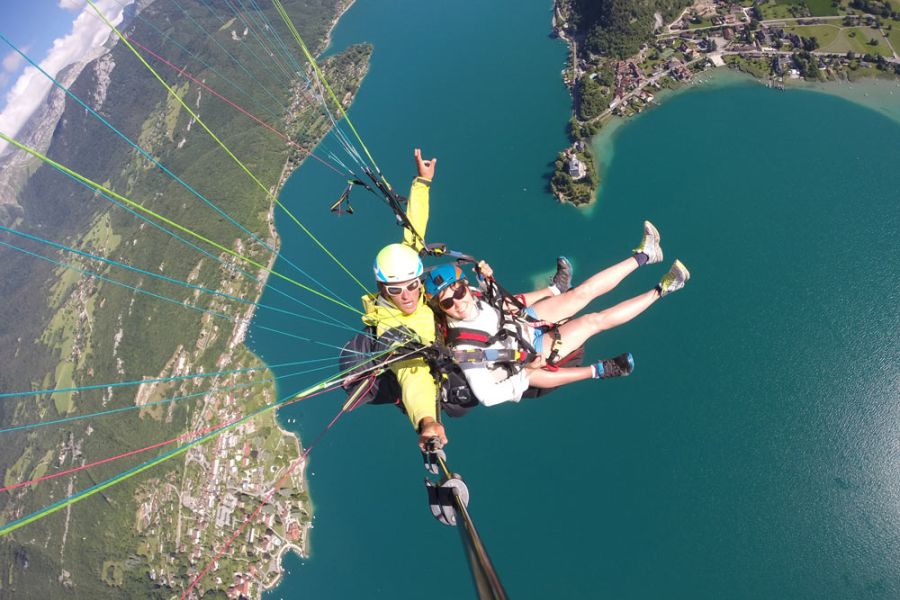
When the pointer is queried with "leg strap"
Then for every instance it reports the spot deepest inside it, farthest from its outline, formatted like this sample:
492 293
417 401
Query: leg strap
554 350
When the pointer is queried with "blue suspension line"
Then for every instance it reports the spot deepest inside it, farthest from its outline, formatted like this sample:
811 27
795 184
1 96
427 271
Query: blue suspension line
228 54
165 169
183 304
287 75
161 277
167 38
164 401
100 386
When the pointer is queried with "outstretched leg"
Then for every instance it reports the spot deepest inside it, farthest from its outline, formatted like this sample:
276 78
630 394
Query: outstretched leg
559 284
577 331
556 308
620 366
560 307
551 379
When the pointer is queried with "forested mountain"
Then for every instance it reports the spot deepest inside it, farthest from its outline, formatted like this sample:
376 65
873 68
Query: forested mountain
617 28
60 328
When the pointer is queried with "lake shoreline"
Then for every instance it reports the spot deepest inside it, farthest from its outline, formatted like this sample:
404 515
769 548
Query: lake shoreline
302 549
880 95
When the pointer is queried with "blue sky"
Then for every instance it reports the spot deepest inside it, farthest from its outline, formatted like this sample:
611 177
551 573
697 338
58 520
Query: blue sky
54 33
32 26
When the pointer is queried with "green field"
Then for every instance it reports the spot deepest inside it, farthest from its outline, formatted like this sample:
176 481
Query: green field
839 40
781 9
704 22
771 10
63 285
63 400
101 236
859 43
821 8
894 35
16 471
113 573
757 67
824 34
41 469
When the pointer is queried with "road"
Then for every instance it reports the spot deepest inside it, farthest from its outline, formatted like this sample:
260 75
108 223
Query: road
767 22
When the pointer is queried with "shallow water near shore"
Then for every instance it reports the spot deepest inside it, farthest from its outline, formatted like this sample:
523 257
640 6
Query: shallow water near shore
882 95
752 454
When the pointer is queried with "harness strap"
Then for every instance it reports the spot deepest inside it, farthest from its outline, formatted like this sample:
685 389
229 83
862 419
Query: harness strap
554 353
478 357
496 295
473 337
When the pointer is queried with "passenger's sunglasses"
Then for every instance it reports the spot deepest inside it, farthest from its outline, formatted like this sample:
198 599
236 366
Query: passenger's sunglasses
396 290
460 289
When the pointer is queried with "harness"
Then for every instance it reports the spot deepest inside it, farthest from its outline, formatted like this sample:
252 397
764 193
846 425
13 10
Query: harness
512 360
509 327
500 298
455 397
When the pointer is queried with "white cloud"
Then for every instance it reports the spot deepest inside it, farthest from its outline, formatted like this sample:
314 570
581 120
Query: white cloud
12 61
87 34
72 5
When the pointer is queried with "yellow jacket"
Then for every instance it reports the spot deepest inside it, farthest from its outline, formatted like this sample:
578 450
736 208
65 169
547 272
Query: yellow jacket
418 388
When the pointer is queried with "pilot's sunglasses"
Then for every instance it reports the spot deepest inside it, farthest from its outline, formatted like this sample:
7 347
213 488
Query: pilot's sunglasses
396 290
458 294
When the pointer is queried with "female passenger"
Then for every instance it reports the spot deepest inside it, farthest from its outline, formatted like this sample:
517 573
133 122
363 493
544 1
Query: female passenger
479 322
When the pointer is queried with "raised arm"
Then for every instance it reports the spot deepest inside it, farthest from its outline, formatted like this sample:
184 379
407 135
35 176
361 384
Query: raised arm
418 204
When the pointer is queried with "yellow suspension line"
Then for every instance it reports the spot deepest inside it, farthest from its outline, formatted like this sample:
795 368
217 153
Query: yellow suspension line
168 221
196 117
318 387
9 528
315 65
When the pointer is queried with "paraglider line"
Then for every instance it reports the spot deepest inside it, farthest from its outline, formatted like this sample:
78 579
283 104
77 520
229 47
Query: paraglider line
160 379
315 390
158 402
164 277
237 107
172 223
159 165
222 145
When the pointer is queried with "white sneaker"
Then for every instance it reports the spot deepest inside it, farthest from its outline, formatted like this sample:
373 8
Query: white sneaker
650 244
674 280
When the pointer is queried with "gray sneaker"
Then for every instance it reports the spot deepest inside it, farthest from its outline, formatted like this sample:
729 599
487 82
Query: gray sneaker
674 280
563 278
650 244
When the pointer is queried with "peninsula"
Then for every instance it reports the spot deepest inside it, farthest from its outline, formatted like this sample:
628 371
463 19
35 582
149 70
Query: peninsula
621 55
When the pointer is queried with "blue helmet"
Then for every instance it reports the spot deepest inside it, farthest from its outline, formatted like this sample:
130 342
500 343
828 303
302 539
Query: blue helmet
440 277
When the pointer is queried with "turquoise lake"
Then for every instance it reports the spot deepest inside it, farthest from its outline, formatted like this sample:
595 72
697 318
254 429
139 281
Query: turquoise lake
755 451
